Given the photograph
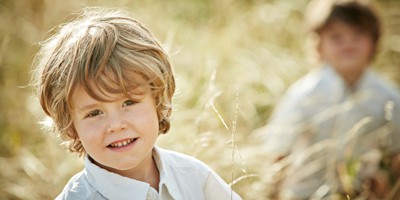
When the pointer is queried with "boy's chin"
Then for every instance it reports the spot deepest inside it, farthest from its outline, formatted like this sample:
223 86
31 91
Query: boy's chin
350 67
121 167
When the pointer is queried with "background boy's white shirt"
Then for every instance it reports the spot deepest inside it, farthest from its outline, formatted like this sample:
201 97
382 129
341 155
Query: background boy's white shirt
320 103
181 177
327 118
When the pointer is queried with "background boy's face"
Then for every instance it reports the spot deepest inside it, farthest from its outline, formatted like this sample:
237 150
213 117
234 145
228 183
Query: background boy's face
345 48
120 134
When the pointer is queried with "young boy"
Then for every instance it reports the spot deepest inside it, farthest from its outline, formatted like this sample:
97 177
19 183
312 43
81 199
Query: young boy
339 112
107 84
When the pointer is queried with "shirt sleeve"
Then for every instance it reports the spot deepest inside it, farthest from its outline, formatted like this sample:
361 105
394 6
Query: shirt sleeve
286 123
394 115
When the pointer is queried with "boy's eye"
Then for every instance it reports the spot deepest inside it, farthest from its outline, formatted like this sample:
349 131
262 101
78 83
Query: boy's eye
128 103
336 37
94 113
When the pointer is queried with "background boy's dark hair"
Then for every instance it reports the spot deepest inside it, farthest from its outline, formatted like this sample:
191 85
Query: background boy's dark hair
359 14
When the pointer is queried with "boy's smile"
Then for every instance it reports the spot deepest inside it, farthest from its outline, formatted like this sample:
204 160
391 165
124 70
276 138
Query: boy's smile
120 133
122 143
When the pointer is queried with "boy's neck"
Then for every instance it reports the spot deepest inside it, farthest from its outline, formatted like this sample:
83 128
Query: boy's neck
146 172
350 78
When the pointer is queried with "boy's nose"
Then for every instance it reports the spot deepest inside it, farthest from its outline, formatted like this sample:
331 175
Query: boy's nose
116 123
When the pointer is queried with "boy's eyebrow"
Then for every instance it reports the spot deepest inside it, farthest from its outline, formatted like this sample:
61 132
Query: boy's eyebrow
86 107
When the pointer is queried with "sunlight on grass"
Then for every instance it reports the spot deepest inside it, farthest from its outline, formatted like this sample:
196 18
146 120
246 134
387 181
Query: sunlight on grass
233 60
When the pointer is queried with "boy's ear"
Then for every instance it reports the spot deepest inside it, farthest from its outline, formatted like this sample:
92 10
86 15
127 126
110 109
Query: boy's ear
318 48
373 52
313 48
72 133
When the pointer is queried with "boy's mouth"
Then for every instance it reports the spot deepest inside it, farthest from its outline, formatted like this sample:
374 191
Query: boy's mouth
122 143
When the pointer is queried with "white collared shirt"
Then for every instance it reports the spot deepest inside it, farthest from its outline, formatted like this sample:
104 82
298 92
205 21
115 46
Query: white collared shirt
181 178
321 121
322 104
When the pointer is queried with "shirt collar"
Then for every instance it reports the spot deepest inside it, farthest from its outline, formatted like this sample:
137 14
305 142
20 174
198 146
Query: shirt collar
167 179
115 186
360 84
112 185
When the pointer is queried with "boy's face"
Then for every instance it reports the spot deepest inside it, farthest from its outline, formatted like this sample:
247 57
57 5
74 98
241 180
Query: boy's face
120 134
345 48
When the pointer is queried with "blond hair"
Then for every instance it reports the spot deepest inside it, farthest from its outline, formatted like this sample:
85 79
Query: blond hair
102 50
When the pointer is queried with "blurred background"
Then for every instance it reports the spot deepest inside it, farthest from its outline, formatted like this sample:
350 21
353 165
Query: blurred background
233 60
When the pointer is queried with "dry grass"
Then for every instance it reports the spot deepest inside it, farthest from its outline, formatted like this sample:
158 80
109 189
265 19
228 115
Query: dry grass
233 60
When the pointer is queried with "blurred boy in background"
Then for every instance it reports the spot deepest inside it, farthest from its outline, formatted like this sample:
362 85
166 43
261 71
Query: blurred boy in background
339 125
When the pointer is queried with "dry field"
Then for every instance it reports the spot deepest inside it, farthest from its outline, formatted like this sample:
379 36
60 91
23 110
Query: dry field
233 60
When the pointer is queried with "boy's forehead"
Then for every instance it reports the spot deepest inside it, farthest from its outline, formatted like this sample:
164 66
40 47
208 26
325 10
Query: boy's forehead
95 93
338 25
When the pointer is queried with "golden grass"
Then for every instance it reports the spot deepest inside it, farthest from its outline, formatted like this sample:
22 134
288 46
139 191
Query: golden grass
233 60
